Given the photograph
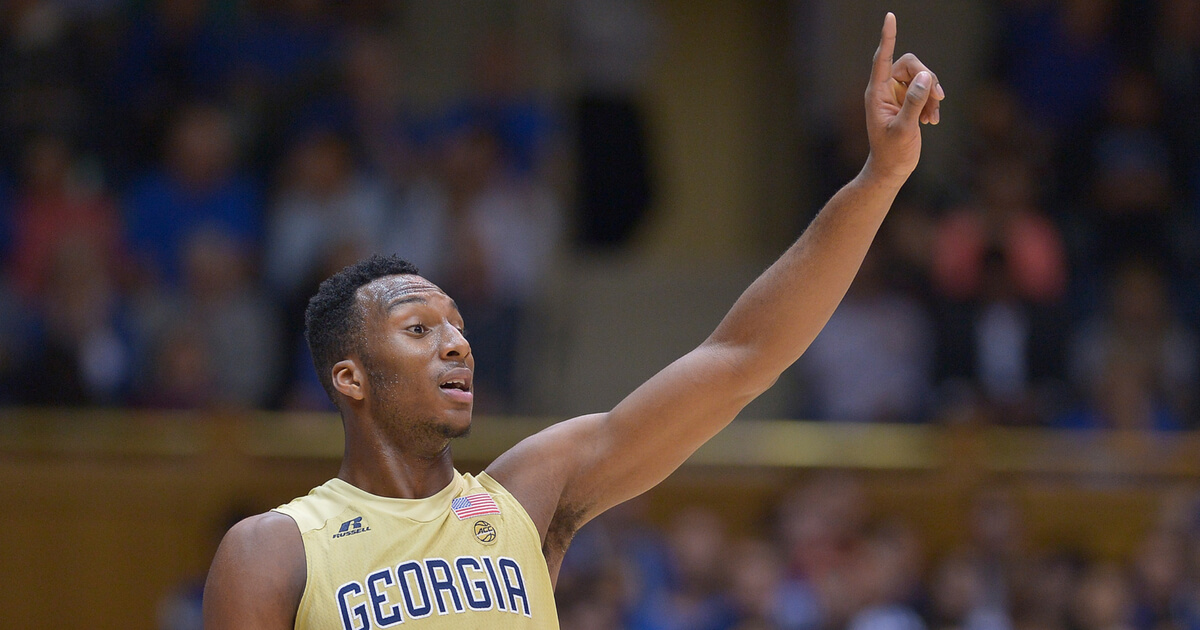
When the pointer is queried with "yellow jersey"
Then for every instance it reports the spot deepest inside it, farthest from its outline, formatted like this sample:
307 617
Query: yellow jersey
466 557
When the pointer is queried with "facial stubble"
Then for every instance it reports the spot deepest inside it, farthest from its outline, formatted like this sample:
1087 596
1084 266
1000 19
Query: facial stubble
389 408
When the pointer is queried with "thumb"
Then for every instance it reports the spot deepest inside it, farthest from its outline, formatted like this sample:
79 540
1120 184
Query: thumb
915 98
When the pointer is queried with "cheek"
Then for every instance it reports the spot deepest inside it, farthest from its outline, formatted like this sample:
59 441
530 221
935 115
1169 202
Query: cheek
402 374
391 366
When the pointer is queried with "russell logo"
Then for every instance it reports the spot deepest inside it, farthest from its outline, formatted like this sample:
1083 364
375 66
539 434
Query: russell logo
351 527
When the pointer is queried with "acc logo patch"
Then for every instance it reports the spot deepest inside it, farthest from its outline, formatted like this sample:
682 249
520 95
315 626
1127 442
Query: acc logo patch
484 532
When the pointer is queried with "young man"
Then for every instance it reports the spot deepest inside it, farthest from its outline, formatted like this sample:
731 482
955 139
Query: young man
401 537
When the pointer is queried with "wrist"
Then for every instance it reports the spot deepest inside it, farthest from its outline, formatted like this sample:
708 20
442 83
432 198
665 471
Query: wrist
875 174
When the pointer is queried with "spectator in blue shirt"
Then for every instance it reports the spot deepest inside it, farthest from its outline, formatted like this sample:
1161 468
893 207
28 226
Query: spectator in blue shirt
197 188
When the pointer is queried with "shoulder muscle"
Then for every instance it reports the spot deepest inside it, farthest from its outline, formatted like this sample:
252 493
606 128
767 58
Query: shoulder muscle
539 468
257 576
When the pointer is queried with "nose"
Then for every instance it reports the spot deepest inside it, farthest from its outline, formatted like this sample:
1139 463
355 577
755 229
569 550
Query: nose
455 344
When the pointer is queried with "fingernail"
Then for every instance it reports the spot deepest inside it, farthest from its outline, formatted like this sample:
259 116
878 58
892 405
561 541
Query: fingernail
921 80
940 92
937 116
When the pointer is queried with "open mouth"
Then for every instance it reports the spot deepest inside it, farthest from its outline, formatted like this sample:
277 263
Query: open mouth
457 384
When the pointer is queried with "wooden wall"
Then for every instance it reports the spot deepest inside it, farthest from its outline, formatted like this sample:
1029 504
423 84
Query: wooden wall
103 514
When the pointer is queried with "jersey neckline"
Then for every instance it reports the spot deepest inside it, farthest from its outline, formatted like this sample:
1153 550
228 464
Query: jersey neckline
424 510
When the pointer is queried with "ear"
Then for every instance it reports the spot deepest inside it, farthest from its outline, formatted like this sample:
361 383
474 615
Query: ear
348 378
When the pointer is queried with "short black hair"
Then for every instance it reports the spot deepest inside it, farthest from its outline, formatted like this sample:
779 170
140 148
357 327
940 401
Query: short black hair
333 321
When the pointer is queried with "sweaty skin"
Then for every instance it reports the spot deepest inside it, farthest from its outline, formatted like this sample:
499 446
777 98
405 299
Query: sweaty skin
400 415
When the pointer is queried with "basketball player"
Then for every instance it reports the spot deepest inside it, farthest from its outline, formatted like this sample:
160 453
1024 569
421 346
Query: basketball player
401 537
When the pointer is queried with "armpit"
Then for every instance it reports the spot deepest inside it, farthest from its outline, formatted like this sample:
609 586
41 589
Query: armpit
563 525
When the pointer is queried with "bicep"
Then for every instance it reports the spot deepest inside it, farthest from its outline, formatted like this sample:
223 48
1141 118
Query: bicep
650 433
588 464
257 576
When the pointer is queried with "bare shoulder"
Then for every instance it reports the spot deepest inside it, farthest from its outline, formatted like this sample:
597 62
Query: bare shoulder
538 469
257 576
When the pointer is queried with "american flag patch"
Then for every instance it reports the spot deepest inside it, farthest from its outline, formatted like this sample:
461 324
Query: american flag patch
474 505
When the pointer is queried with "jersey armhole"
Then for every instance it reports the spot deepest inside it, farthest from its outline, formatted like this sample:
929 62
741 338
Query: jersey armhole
303 603
492 485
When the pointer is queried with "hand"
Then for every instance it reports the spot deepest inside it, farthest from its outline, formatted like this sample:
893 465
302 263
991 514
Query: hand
900 96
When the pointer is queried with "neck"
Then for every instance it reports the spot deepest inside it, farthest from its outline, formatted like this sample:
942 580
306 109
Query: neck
377 464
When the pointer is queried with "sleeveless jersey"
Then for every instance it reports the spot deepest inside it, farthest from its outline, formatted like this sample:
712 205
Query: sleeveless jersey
466 557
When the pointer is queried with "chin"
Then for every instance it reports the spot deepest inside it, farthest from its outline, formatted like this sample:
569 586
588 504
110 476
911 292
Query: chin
456 427
451 432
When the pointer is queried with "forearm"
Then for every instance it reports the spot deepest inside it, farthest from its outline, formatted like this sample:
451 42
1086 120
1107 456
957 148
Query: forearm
600 460
659 425
780 314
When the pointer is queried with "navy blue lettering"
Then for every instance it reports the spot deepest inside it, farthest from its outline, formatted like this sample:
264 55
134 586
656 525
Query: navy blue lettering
426 607
443 583
473 587
379 598
515 586
476 583
358 611
491 571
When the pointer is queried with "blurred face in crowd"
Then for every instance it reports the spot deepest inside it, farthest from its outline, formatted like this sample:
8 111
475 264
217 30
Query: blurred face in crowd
321 165
1138 298
214 266
471 158
202 147
888 565
956 589
1087 20
1161 566
697 541
370 70
1103 600
1006 185
47 164
755 575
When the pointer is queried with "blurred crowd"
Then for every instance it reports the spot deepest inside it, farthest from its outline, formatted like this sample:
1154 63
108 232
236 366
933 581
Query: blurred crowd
177 176
1050 276
828 559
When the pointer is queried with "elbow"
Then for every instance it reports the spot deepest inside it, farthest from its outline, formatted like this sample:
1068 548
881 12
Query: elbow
755 387
748 374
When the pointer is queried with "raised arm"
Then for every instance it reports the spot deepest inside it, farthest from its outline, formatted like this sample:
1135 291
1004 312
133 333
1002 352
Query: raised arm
572 471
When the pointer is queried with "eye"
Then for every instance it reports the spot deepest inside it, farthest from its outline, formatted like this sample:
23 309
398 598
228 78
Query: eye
418 329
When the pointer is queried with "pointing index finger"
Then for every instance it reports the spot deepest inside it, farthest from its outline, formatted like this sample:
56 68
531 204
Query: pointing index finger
882 71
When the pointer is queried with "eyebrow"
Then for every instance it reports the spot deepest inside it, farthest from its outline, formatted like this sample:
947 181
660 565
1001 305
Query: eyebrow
418 299
406 300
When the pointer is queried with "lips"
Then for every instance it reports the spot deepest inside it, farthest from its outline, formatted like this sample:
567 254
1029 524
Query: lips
456 384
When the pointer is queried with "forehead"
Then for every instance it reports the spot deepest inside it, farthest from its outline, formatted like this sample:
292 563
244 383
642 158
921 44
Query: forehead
387 289
383 295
